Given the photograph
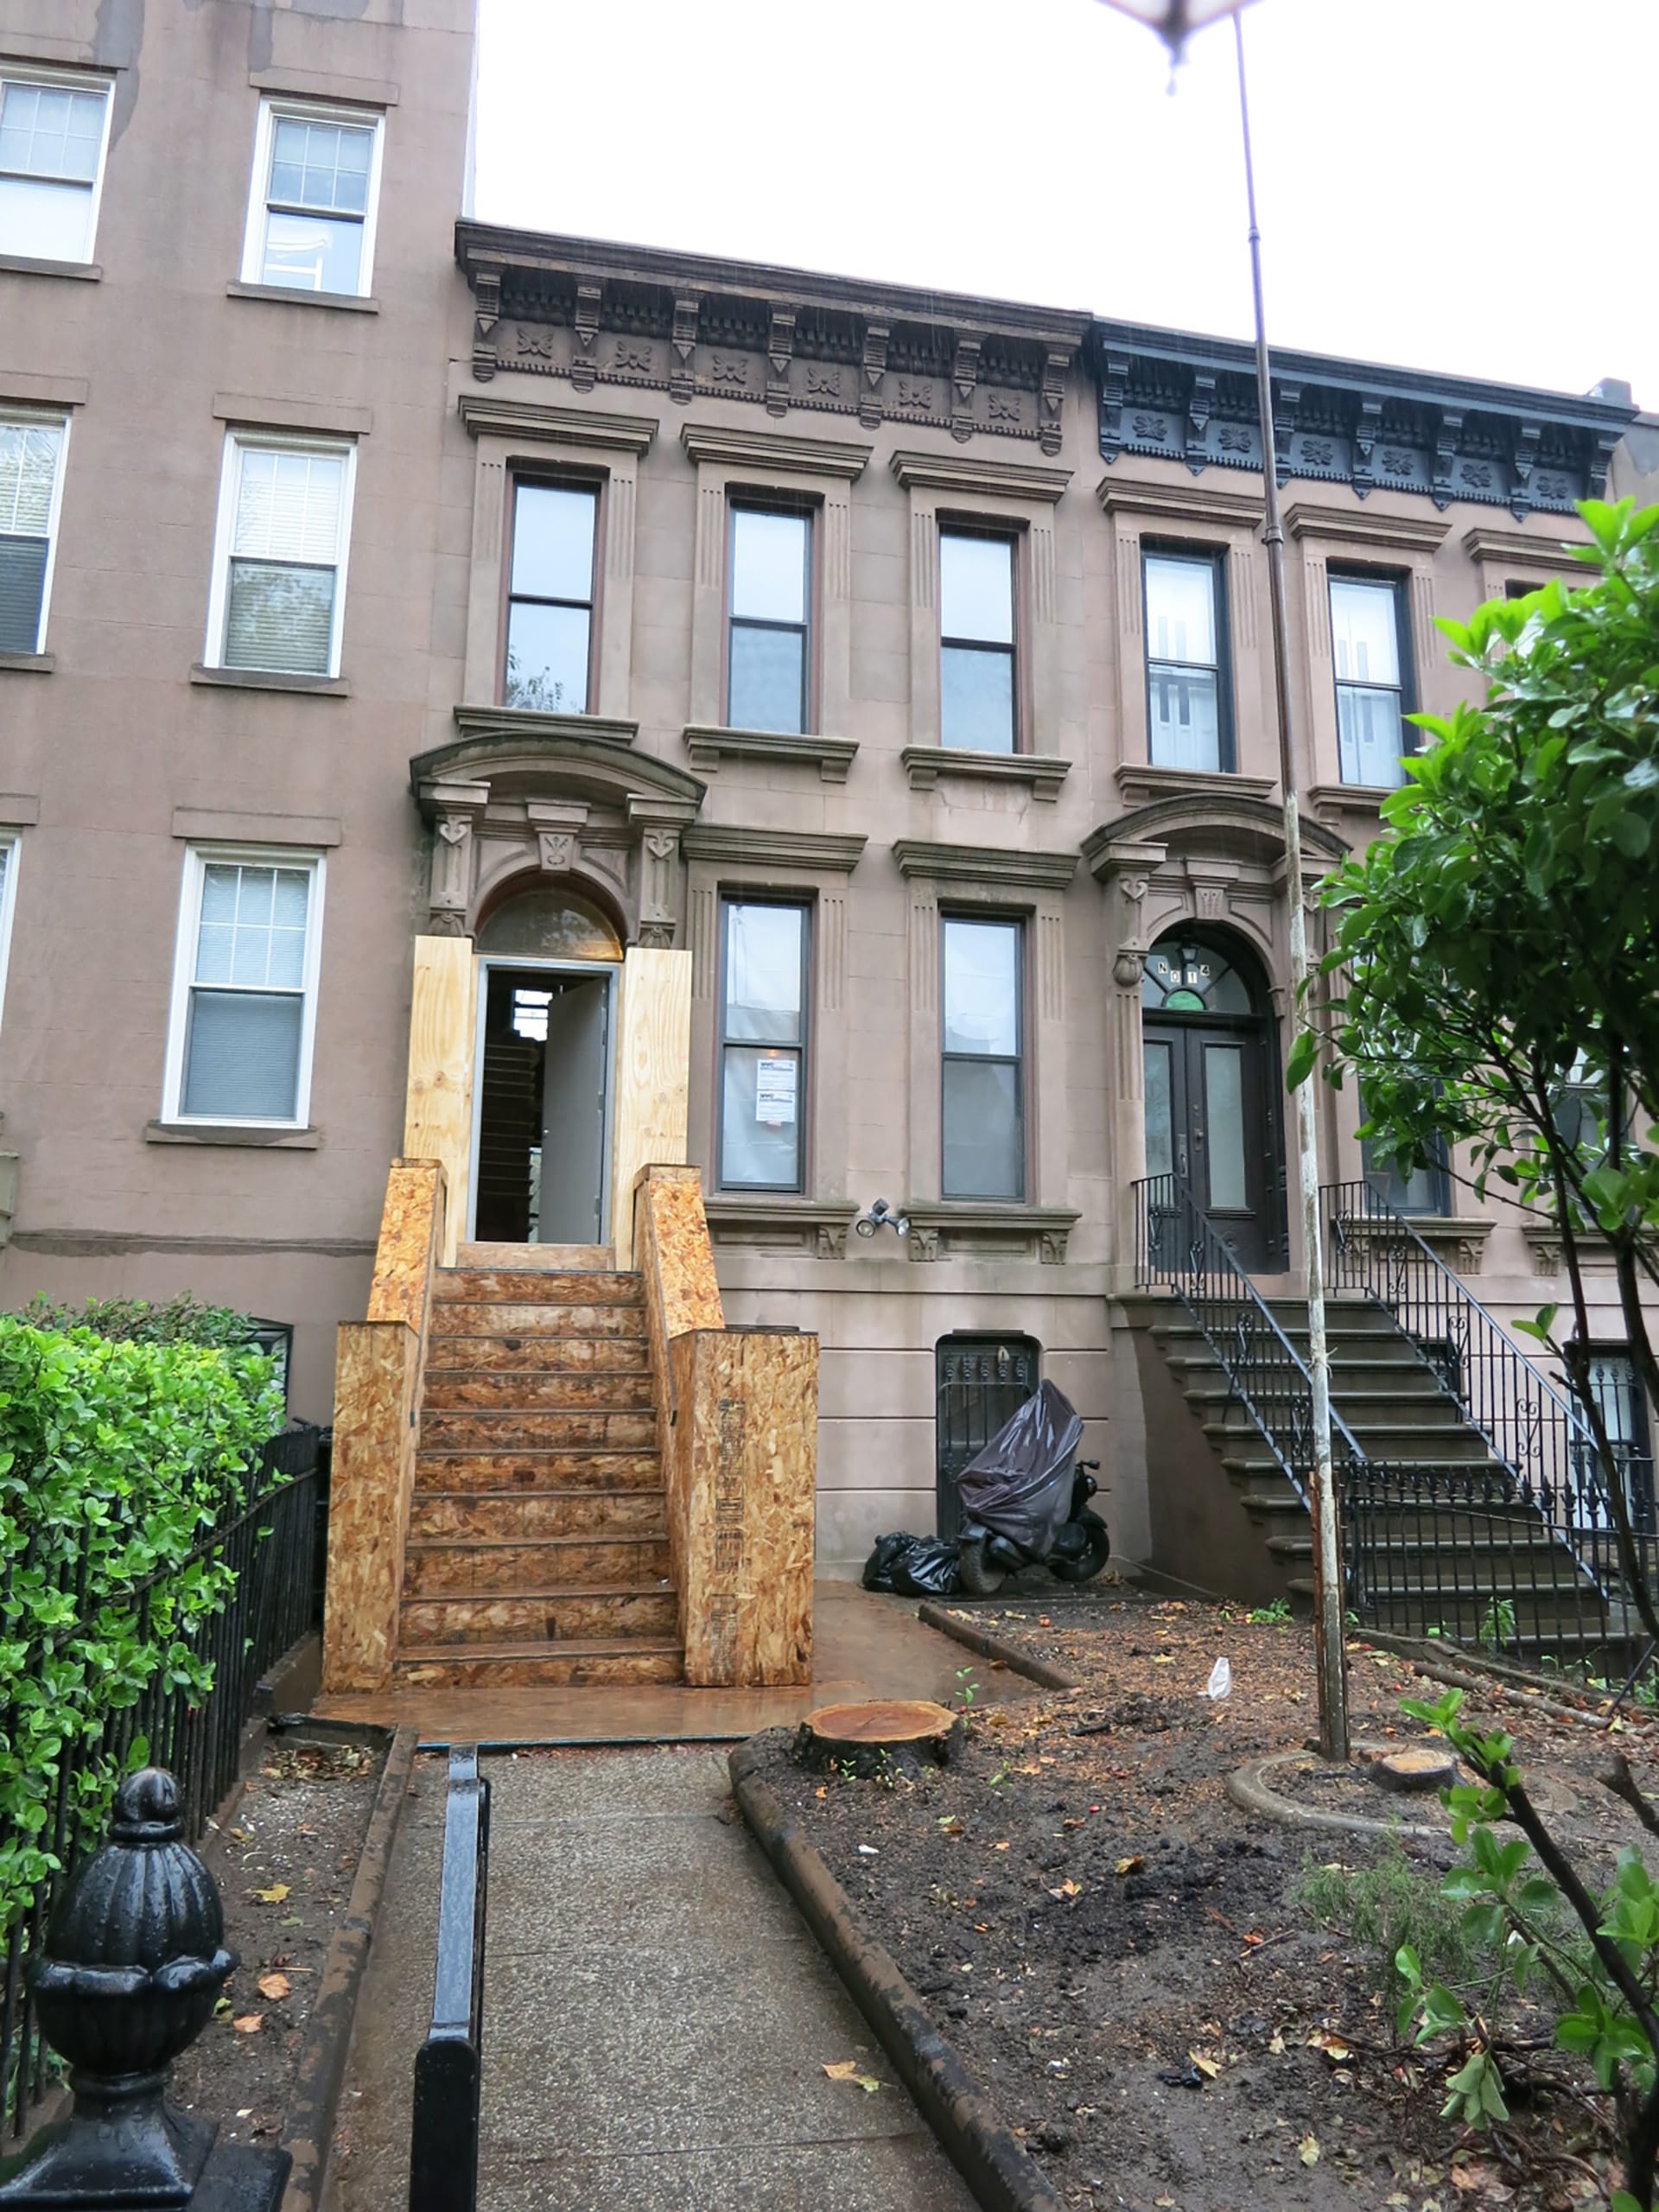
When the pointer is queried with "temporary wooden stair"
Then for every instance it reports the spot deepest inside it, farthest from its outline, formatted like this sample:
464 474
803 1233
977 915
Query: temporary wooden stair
538 1549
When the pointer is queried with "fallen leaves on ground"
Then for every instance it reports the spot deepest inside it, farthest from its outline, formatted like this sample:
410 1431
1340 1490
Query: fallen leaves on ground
847 2069
276 1987
1308 2150
248 2024
277 1894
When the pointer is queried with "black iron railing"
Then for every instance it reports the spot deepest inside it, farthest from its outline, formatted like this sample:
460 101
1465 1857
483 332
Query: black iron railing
1179 1248
271 1546
1535 1430
449 2066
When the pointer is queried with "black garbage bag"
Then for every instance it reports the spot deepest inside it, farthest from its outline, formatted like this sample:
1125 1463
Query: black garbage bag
912 1567
1020 1485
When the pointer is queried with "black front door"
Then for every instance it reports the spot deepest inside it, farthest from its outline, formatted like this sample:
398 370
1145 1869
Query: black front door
1209 1124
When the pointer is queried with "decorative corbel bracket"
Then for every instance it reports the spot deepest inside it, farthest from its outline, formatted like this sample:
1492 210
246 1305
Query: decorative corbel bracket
457 809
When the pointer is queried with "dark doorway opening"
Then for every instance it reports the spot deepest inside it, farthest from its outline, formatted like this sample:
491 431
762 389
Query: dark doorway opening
542 1086
979 1382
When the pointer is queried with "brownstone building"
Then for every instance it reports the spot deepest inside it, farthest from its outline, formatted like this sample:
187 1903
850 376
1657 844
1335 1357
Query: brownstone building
409 632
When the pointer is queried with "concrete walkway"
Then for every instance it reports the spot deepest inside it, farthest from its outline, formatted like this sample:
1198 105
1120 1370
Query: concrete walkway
657 2017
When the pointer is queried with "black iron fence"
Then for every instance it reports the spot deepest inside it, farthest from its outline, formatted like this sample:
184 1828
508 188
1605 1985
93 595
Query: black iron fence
449 2066
271 1545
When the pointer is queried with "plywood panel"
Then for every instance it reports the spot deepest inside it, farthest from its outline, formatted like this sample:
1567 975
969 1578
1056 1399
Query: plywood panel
653 1078
438 1114
410 1227
376 1380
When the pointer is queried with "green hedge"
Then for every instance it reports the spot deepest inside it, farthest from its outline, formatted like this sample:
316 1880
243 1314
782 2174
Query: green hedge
117 1457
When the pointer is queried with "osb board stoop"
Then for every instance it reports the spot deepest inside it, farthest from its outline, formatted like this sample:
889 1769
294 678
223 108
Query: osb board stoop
410 1237
741 1470
376 1380
438 1106
672 1250
653 1076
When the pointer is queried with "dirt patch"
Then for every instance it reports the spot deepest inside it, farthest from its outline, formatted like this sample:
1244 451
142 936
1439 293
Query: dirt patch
1116 1950
285 1863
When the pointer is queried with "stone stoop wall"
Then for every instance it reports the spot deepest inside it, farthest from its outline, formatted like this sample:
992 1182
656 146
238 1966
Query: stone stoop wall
377 1390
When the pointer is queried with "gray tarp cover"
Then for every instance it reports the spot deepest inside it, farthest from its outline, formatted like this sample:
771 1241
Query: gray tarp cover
1020 1485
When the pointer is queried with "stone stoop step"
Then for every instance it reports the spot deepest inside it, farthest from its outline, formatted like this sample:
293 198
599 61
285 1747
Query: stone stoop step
538 1535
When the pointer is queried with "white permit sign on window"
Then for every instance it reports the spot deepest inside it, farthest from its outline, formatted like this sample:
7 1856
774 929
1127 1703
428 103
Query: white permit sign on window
774 1092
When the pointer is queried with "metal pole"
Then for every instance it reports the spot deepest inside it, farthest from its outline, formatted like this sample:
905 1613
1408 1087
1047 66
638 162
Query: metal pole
1329 1655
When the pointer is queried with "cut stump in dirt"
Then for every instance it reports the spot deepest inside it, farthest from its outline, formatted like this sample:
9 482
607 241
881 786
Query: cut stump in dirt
1430 1767
874 1738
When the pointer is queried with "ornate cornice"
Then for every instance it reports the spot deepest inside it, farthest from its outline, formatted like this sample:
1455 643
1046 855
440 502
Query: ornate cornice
593 312
1140 782
499 758
1174 396
1042 773
483 412
983 864
818 1226
974 479
1206 820
735 846
1189 503
1357 526
709 745
774 449
964 1230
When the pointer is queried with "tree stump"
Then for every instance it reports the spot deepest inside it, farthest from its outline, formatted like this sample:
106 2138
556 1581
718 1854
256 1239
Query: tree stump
873 1739
1428 1766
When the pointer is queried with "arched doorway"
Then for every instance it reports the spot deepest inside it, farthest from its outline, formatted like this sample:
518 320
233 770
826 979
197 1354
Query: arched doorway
547 962
1211 1087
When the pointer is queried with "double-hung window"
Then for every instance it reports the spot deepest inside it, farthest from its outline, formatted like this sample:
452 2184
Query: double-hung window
984 1116
31 480
763 1046
1187 701
768 667
1368 645
279 564
245 988
316 186
977 687
8 852
551 597
52 134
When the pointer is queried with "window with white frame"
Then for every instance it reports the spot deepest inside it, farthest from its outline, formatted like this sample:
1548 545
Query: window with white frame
316 188
1369 648
279 562
244 987
54 131
31 477
9 847
977 691
983 1027
763 1044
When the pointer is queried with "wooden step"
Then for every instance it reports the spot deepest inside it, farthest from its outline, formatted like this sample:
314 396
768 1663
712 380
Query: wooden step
534 1287
548 1615
520 1390
472 1431
467 1470
574 1664
505 1321
509 1517
473 1566
537 1259
540 1354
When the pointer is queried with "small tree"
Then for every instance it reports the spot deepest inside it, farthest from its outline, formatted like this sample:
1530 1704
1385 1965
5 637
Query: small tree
1497 947
1496 984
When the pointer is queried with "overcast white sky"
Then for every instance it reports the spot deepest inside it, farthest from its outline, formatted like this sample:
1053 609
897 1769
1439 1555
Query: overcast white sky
1461 185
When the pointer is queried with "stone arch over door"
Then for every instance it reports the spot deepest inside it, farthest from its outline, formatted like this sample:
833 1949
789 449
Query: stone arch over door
1208 860
512 809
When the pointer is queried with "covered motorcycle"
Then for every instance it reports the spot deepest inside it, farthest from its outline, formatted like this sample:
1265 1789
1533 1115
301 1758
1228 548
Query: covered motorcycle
1025 1499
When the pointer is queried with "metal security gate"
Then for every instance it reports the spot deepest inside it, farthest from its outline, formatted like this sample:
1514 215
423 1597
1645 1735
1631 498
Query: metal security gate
979 1381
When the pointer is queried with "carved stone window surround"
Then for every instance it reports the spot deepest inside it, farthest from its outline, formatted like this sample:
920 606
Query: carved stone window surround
982 869
475 721
1542 558
710 745
1460 1243
517 438
996 1233
1013 498
1041 773
1140 783
733 845
1399 546
1544 1241
817 474
808 1228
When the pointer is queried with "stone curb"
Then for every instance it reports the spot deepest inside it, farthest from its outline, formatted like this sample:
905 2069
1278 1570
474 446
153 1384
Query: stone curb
309 2122
1018 1661
1001 2174
1249 1790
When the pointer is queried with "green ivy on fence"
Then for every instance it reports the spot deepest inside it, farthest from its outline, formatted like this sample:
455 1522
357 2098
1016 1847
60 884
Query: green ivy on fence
119 1453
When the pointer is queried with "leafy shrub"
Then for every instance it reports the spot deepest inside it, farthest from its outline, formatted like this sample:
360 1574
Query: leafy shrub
117 1458
181 1320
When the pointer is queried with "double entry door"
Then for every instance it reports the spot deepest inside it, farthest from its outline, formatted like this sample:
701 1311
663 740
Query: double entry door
1211 1124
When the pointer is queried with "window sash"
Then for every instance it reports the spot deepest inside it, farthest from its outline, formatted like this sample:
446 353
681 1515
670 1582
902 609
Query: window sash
964 1118
10 855
1189 722
221 1024
271 527
1373 737
29 510
266 201
775 1160
23 186
528 687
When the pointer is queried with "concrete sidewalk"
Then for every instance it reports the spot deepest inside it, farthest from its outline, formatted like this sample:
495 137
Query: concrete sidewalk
657 2017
